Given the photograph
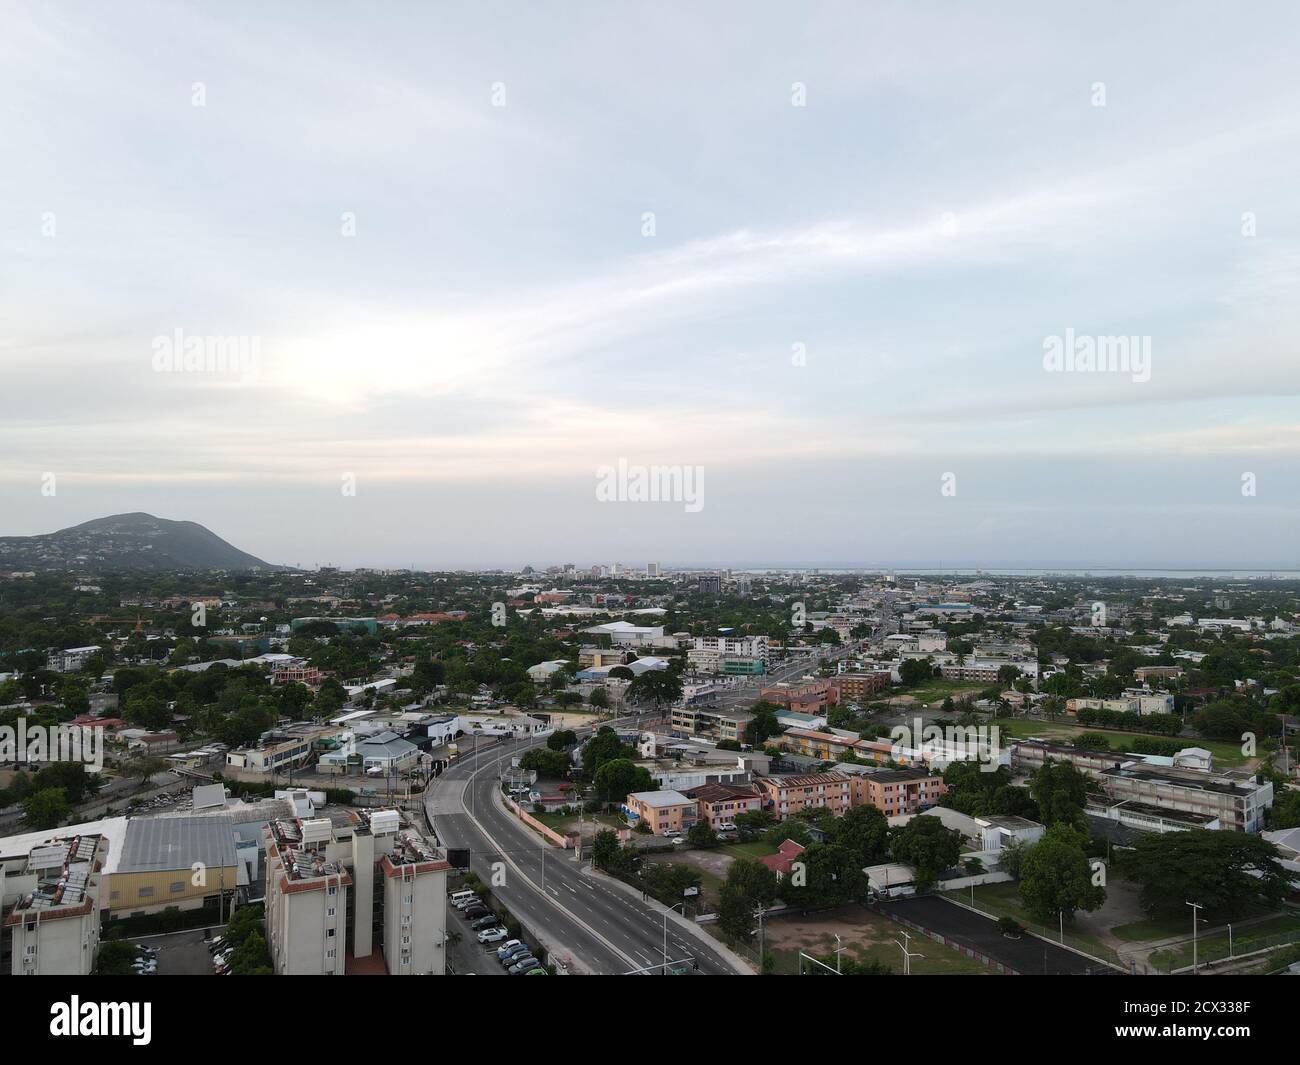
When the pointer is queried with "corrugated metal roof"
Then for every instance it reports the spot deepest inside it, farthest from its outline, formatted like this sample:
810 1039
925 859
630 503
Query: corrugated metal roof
163 843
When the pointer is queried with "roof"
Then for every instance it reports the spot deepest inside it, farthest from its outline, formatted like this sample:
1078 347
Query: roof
661 798
165 843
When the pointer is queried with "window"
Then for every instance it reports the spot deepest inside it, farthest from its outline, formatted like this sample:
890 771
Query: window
177 887
146 892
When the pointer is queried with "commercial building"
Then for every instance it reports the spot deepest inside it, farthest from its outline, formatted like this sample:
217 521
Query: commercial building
1212 802
179 862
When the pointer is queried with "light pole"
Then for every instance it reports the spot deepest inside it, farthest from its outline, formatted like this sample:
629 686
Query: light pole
666 913
1196 908
908 954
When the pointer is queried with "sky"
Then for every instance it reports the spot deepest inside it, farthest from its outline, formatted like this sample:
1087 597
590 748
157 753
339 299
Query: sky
807 259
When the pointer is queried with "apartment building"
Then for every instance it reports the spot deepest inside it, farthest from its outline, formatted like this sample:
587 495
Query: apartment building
712 724
718 804
51 903
306 899
415 906
825 746
856 687
985 670
738 646
665 812
810 697
787 794
308 675
338 888
898 791
71 659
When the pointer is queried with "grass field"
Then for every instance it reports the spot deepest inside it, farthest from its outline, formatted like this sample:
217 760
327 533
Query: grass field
1284 929
936 689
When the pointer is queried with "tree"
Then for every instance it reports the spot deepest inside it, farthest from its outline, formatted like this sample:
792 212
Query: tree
602 747
1056 878
562 739
864 830
618 778
928 845
1060 791
47 808
765 725
735 914
545 762
657 686
832 876
701 834
145 767
1226 872
604 846
756 881
599 698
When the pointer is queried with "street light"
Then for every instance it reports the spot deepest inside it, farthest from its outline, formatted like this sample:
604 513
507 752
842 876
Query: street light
666 913
908 954
1196 908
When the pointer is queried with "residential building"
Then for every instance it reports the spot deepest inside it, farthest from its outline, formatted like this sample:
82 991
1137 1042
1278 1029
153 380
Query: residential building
712 724
665 812
782 862
720 803
788 794
306 899
856 687
71 659
898 791
51 901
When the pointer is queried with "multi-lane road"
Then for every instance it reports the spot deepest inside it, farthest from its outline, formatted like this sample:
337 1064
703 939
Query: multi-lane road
585 922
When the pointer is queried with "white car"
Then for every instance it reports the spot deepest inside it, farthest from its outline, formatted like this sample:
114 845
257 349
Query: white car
492 935
679 839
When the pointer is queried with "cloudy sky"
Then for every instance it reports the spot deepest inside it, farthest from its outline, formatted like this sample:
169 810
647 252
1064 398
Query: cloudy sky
481 250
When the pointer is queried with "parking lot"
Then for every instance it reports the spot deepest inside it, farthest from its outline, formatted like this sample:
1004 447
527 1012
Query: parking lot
179 953
467 954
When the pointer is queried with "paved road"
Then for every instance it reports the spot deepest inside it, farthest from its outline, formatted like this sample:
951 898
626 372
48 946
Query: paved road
1028 955
602 930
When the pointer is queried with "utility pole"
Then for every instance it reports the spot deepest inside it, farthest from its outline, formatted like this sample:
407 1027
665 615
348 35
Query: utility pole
1196 908
666 912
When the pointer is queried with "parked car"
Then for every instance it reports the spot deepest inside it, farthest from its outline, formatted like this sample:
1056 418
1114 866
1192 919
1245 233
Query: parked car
508 946
539 971
485 922
492 935
679 839
514 955
473 913
522 966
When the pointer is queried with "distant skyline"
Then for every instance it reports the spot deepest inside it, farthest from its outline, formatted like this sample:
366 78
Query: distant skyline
870 225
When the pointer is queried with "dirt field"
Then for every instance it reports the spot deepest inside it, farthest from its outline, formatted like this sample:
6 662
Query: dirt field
866 936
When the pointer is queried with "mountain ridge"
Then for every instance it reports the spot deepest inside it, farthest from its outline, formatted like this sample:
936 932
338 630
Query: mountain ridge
134 541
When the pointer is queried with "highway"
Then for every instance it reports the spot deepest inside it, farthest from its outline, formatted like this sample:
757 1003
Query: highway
593 926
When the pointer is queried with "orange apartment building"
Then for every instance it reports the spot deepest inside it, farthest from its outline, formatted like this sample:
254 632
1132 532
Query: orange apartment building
898 791
788 794
720 803
667 813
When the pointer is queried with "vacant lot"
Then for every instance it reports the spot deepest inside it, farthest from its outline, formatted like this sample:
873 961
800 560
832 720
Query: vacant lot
865 936
1226 755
